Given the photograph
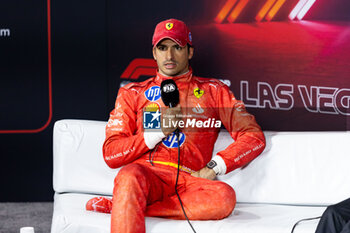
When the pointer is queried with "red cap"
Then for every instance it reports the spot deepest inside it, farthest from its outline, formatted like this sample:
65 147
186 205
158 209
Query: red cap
173 29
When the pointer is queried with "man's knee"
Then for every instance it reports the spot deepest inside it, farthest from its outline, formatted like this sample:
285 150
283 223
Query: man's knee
227 198
131 169
131 174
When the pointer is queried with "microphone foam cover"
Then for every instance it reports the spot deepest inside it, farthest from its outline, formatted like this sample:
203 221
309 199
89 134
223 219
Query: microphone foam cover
169 92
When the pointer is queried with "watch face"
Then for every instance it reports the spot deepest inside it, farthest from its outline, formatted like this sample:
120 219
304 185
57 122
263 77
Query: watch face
211 164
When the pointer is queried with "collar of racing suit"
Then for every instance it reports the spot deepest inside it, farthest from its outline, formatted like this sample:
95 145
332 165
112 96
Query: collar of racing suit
186 77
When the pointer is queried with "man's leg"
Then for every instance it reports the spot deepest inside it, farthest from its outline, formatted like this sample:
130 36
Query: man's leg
335 218
202 199
135 186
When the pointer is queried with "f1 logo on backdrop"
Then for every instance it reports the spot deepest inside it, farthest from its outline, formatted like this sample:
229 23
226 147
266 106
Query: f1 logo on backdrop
148 67
140 67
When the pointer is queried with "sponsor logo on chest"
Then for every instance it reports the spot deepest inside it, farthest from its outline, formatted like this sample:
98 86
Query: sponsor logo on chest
171 140
153 93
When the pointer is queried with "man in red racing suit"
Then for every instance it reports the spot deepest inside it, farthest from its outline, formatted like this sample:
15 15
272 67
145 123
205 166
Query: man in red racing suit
145 185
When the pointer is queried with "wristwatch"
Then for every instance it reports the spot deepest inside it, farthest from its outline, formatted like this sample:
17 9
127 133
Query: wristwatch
213 165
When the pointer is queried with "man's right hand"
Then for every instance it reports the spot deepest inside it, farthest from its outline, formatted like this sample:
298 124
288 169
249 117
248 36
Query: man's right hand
170 119
205 173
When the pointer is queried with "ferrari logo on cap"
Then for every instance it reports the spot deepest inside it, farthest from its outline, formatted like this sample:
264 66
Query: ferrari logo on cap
198 92
169 26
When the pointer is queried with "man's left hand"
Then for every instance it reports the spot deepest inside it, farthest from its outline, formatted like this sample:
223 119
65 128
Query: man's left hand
205 173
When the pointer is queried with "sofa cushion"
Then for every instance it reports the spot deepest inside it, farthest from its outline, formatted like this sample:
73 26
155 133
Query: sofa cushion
70 216
302 168
78 161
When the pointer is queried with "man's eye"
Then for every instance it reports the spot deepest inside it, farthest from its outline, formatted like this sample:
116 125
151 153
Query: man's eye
162 48
178 47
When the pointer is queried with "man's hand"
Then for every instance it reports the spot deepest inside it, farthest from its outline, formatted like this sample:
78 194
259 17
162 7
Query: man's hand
205 173
170 119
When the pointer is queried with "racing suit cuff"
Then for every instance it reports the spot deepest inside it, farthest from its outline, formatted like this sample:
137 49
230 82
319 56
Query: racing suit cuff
221 165
152 138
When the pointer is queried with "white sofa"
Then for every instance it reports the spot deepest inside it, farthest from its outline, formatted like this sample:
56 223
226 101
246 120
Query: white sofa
297 175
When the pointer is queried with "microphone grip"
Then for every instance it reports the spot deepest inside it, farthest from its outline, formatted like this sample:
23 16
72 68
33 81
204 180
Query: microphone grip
177 131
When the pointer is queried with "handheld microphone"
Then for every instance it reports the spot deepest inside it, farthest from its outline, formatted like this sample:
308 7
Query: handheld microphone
170 96
169 93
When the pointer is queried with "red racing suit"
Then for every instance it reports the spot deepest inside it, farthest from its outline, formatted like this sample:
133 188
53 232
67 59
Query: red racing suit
127 142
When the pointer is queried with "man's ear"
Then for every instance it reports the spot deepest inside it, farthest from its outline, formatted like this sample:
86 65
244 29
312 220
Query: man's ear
154 53
190 53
